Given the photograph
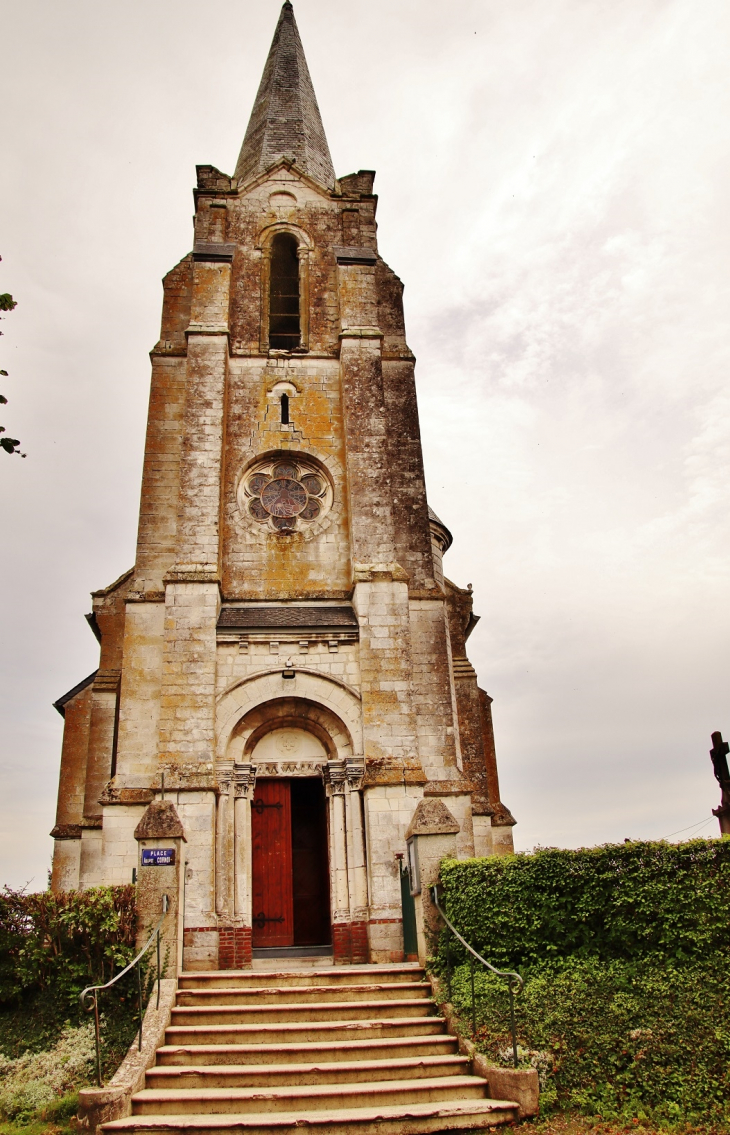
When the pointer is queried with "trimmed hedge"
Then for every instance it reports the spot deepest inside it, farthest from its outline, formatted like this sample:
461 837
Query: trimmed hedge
629 900
624 952
614 1038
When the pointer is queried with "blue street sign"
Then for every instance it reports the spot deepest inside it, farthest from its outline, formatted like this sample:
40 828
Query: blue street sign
158 856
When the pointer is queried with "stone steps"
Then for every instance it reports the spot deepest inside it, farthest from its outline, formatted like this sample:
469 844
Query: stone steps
414 1119
305 1097
334 975
342 1051
302 1011
391 1048
283 1032
307 994
319 1072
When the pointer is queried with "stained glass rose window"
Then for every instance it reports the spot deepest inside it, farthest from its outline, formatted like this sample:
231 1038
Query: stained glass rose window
286 494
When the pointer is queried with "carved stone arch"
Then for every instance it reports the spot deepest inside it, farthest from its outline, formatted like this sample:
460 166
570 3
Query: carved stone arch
290 713
268 232
305 246
324 702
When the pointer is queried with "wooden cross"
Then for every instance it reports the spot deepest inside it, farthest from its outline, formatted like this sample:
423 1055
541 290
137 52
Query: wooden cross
719 753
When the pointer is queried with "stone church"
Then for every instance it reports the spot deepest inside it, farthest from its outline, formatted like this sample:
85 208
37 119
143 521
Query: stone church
286 661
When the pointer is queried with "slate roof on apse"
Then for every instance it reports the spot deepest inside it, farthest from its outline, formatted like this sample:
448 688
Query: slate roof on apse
284 617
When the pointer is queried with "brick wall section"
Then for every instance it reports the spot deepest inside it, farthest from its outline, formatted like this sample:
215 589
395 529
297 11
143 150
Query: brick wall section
359 938
341 943
234 947
72 780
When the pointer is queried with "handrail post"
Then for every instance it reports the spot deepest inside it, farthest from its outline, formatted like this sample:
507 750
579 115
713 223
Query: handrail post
512 1024
448 965
97 1038
139 999
92 991
514 981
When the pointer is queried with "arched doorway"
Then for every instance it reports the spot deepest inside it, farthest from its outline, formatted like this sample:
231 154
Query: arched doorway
289 845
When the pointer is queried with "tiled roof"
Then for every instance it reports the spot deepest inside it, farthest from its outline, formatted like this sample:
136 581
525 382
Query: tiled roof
252 618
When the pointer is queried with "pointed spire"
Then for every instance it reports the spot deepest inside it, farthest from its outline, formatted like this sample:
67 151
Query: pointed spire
285 120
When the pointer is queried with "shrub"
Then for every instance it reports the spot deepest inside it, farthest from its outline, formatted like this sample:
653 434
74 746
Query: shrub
624 954
671 901
622 1039
33 1082
65 940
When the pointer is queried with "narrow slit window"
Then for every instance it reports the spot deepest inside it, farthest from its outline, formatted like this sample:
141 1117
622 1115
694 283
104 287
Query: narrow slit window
284 318
285 409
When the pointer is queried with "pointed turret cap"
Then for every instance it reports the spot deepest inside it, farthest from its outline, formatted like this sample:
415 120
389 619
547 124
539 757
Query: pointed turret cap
285 121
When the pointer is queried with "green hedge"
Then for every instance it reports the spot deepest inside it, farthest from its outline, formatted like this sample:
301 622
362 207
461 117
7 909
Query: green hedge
617 1039
51 947
624 952
66 940
630 900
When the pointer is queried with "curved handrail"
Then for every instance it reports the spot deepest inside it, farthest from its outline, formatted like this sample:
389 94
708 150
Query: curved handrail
89 996
515 983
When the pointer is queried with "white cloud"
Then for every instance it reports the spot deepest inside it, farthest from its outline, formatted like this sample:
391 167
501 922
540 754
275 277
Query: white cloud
552 183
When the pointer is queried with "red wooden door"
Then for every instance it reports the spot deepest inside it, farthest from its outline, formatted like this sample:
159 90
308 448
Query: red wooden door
273 907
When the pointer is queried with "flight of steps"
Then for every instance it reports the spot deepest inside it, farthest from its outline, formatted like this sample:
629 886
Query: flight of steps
345 1050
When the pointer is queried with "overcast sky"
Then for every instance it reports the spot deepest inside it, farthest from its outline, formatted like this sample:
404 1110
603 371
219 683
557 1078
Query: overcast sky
553 179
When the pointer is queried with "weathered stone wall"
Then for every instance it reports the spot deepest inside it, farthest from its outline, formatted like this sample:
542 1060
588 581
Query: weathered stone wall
316 560
178 695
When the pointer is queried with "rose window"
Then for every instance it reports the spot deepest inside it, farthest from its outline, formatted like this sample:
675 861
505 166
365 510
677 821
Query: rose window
286 495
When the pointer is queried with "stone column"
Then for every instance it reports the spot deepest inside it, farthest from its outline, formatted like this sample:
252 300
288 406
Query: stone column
356 862
335 779
159 832
433 830
222 824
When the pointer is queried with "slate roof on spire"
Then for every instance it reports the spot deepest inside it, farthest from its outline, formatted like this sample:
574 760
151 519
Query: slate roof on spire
285 121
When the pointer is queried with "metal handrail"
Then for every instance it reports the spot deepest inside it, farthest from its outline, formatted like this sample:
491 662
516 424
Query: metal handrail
97 989
514 982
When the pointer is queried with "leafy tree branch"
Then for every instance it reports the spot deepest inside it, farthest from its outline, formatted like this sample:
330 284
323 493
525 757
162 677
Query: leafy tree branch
9 444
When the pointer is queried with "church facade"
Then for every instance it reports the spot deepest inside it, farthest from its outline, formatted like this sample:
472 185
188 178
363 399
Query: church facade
286 660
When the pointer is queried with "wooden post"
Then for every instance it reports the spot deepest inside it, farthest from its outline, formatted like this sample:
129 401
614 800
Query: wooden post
718 753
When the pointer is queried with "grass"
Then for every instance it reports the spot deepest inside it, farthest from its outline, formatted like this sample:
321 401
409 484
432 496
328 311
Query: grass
49 1039
59 1118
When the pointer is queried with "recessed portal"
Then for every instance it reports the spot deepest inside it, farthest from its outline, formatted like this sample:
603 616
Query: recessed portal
290 863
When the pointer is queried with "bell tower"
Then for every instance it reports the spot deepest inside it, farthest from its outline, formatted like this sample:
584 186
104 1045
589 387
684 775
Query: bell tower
286 649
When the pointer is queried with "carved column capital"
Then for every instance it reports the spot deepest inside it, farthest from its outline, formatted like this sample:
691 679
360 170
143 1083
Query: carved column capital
335 776
244 778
